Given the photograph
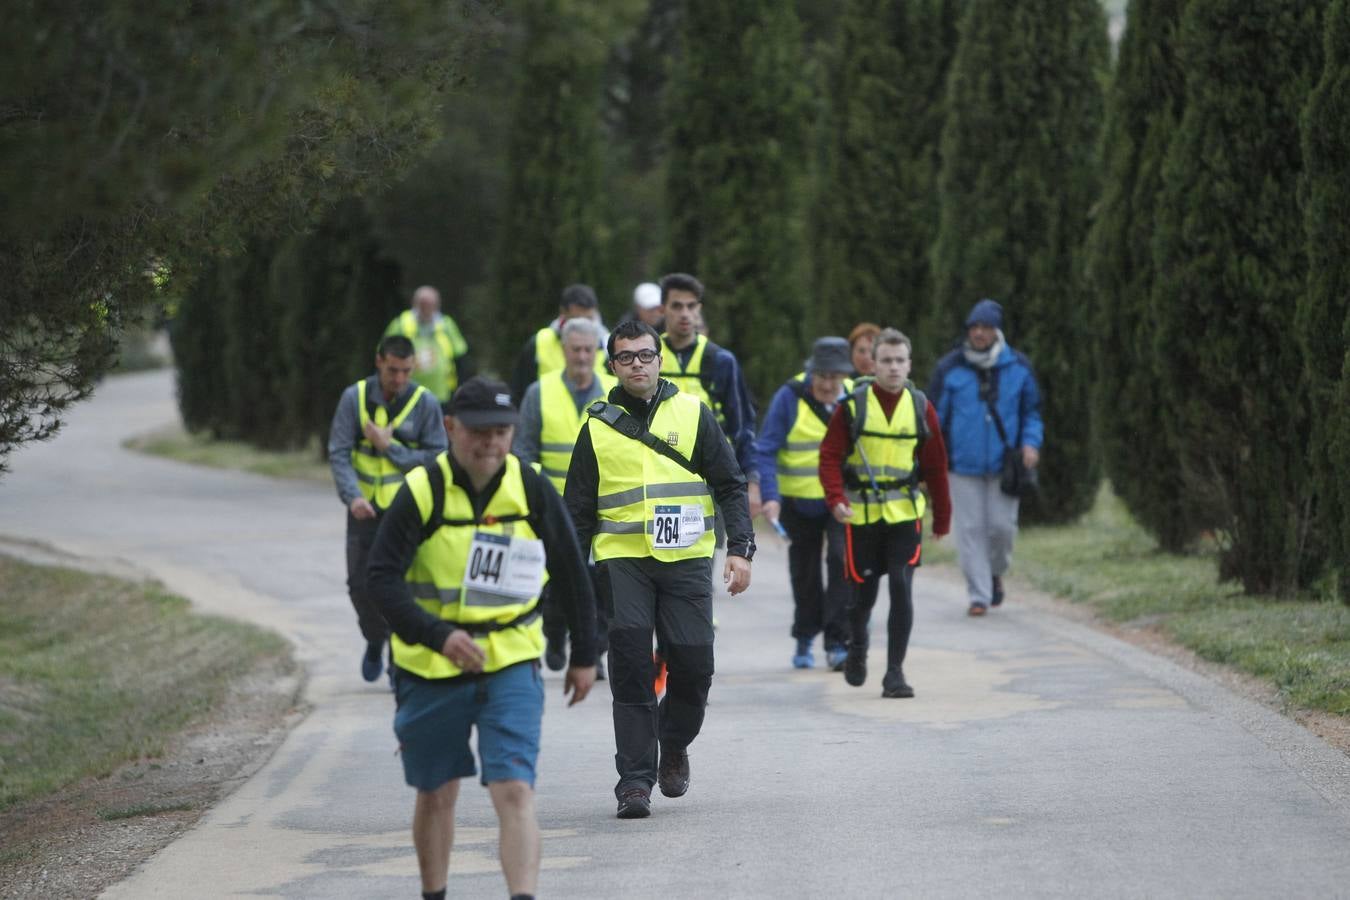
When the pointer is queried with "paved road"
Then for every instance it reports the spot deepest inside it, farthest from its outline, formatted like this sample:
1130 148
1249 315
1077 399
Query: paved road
1039 759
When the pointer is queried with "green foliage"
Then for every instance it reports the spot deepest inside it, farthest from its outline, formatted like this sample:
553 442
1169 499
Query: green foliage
877 213
1131 398
1229 252
160 132
737 167
1323 315
1019 173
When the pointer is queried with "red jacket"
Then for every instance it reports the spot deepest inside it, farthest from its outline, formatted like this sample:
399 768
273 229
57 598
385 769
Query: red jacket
836 447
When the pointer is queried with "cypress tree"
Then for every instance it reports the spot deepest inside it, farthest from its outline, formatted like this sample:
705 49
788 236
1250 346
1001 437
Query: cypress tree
254 361
1019 173
1231 267
1143 109
195 336
738 149
1324 310
877 213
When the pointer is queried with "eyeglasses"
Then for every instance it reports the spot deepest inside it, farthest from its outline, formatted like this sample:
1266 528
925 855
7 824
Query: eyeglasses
626 357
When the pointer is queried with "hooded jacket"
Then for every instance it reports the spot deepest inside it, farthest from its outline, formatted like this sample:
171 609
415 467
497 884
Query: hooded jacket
973 445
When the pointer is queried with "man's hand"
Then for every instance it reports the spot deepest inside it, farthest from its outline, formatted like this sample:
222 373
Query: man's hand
752 489
772 509
843 513
736 574
461 650
578 682
361 509
1031 457
380 437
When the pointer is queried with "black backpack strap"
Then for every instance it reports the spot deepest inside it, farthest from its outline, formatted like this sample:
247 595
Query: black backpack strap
618 418
856 406
802 392
437 519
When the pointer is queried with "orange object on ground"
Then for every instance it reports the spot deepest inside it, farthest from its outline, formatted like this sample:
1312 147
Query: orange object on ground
659 685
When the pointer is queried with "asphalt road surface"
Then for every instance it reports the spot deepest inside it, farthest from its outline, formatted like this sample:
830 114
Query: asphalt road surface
1039 759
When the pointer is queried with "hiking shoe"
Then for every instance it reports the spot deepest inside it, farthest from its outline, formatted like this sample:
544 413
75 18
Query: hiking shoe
835 656
855 666
894 685
997 596
372 661
555 657
977 609
635 804
803 658
673 773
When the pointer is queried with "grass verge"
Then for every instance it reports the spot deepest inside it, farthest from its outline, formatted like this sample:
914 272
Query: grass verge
97 671
1109 563
175 443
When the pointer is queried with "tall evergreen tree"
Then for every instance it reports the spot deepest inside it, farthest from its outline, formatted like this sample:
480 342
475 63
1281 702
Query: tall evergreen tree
877 213
1143 110
1231 266
1019 173
738 148
1324 310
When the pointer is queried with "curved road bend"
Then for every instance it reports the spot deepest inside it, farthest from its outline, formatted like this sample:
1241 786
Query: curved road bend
1040 758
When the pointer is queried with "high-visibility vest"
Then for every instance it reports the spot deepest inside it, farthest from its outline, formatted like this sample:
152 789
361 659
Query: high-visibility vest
548 353
376 476
561 424
881 473
508 630
799 457
634 480
450 344
689 378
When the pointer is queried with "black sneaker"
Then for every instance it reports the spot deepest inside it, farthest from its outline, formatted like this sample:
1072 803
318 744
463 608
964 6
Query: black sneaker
893 684
855 665
555 657
673 773
635 804
996 598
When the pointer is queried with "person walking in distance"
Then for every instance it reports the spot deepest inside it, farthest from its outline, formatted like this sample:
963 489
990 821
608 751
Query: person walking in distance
983 390
542 354
456 568
787 453
441 360
882 447
647 466
384 426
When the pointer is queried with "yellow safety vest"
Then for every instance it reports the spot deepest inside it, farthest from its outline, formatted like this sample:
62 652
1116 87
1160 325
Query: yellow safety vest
689 379
376 476
561 425
799 457
450 344
437 576
548 353
635 480
891 450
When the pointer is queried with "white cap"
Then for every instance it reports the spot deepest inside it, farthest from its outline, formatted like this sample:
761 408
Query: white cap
646 296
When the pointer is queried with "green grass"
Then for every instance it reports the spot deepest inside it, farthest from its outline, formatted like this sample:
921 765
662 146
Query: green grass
198 449
1110 564
96 671
143 809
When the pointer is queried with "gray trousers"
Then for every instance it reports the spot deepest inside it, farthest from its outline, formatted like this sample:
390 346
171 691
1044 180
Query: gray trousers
986 523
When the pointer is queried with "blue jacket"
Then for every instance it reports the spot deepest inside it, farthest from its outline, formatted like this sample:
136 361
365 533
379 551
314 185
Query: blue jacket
780 419
973 445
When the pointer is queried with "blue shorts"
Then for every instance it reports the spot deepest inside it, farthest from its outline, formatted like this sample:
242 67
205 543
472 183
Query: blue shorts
435 716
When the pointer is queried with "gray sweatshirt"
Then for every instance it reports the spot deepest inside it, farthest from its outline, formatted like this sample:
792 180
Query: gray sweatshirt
423 427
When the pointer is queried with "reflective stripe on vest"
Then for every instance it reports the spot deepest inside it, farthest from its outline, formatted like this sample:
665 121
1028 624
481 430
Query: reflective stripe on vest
561 425
635 479
891 449
548 354
376 476
437 575
689 379
799 457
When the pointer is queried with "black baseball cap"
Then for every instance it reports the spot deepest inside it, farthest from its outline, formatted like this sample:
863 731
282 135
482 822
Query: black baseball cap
481 402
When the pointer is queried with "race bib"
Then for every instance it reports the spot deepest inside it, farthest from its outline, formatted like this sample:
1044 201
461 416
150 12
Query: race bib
677 527
504 566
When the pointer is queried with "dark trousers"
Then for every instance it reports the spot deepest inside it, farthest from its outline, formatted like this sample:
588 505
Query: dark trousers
817 607
890 550
673 599
360 537
555 617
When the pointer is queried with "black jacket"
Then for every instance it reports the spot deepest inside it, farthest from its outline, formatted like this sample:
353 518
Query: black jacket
712 458
400 534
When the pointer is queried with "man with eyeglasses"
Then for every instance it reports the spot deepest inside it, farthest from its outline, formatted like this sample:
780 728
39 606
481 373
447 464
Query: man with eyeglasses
646 468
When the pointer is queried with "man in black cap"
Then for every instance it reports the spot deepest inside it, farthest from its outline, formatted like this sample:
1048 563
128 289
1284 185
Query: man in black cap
787 455
986 397
457 567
